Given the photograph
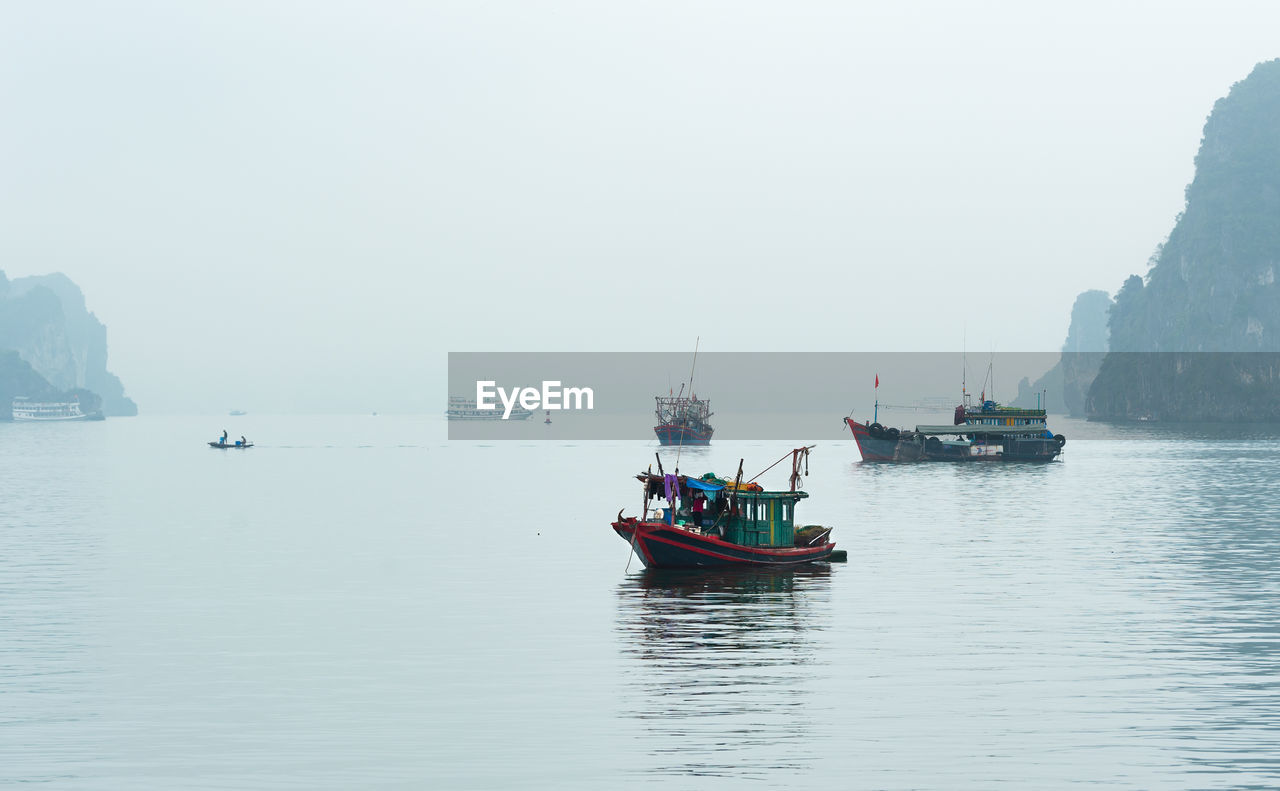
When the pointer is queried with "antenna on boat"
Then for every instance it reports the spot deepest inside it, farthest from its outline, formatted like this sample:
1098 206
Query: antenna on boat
991 374
692 368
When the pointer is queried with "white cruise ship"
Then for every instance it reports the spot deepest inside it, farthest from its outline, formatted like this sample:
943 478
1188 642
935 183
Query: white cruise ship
465 409
25 409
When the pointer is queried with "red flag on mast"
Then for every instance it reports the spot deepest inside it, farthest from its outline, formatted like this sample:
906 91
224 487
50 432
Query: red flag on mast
877 380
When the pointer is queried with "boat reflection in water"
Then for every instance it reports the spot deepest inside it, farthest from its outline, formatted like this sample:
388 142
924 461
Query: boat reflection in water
724 669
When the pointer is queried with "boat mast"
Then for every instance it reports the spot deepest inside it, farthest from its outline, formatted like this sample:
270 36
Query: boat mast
692 368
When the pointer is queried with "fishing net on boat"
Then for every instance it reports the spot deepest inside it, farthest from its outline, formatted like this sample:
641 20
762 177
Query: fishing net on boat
810 535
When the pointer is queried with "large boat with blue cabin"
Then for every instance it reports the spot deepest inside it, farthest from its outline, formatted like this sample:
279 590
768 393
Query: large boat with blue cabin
986 431
713 522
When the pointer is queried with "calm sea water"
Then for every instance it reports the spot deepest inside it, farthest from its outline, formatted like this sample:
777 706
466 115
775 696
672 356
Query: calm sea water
357 603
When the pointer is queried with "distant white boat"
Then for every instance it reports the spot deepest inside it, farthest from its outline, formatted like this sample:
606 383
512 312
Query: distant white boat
237 412
466 409
24 409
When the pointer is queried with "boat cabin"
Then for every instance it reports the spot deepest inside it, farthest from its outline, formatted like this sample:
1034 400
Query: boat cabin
746 515
763 519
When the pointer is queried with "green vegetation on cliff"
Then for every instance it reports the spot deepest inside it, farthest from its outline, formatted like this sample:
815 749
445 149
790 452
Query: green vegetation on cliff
1212 285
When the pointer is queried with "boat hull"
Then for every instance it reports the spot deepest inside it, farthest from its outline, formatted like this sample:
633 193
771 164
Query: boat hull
60 419
230 445
919 448
664 546
486 415
675 434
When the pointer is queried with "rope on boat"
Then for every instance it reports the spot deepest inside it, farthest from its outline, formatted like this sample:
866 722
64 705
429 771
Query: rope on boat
805 450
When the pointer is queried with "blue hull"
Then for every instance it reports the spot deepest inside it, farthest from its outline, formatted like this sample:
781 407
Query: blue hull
672 434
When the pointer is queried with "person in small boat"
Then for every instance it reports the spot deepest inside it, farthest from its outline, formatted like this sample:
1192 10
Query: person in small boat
224 436
243 441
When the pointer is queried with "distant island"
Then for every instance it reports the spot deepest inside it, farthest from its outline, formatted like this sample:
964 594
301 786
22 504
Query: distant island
53 348
1067 384
1198 338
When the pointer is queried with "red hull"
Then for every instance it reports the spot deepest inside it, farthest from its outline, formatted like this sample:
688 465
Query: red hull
872 449
912 447
661 545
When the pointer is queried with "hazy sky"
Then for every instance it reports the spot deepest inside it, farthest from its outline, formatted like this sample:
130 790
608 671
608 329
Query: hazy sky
305 205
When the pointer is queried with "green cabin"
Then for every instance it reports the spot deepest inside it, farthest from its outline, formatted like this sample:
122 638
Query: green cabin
763 519
752 517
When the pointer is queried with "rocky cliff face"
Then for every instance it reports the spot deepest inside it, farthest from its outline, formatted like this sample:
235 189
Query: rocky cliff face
1211 296
1067 383
18 379
45 320
1189 387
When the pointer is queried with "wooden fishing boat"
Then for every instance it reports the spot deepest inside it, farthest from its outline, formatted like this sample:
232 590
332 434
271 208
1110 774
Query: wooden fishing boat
683 420
987 431
714 523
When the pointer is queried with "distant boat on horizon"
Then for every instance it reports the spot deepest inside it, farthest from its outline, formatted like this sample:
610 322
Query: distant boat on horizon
466 409
237 412
683 420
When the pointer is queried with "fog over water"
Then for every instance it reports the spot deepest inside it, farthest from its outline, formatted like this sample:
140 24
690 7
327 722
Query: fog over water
303 206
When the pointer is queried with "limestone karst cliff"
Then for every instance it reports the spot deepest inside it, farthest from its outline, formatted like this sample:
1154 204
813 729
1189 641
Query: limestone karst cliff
44 320
1198 338
1066 385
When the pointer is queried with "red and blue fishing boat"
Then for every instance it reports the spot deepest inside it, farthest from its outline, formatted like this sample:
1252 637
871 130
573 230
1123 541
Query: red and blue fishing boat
710 522
683 420
986 431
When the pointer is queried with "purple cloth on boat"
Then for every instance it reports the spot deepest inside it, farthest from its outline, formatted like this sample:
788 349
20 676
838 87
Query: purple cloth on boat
672 486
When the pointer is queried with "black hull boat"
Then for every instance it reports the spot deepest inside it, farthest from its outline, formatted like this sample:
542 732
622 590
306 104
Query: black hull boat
231 445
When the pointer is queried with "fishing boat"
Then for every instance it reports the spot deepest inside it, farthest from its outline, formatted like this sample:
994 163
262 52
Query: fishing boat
465 409
986 431
236 445
990 432
710 522
682 420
